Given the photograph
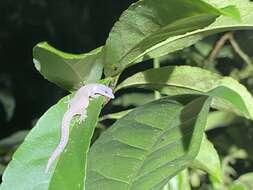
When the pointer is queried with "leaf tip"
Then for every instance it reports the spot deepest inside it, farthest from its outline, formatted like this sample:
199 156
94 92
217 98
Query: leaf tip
231 11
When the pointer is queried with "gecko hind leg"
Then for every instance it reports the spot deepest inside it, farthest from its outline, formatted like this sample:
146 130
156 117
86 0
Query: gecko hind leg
83 116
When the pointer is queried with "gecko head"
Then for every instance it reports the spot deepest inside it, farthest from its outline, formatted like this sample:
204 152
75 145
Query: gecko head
104 90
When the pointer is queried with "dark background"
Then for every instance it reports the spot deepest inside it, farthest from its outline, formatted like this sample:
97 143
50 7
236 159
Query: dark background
76 26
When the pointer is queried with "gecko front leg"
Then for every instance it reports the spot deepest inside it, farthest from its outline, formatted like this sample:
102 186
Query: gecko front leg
68 101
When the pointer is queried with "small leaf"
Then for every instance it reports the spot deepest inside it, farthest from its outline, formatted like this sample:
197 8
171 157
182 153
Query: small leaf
149 146
172 80
68 71
26 171
148 28
208 160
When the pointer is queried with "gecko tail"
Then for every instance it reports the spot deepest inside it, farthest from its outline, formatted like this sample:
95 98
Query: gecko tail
63 142
49 164
55 154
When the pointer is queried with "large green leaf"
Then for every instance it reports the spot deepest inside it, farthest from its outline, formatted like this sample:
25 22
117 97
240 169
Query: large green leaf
208 160
68 71
147 147
26 171
147 28
173 80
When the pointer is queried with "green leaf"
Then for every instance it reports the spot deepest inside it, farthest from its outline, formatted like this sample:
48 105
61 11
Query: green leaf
238 186
26 171
171 80
133 99
208 160
68 71
148 28
149 146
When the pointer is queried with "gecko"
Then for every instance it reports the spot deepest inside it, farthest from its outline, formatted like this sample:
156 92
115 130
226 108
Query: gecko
77 106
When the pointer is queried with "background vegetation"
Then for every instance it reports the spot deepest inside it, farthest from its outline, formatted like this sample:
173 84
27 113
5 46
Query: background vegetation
80 26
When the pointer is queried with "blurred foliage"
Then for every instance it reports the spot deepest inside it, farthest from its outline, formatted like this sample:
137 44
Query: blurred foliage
234 140
79 26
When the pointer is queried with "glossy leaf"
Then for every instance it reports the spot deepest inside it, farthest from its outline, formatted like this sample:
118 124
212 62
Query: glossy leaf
172 80
147 29
26 171
68 71
141 151
208 160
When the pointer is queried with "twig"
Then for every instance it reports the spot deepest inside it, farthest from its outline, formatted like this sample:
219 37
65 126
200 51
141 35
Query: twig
216 50
240 52
248 69
244 73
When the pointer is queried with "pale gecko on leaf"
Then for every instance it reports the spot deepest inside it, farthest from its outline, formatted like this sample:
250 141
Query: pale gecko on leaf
77 106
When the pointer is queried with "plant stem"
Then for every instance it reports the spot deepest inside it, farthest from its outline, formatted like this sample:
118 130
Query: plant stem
156 64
